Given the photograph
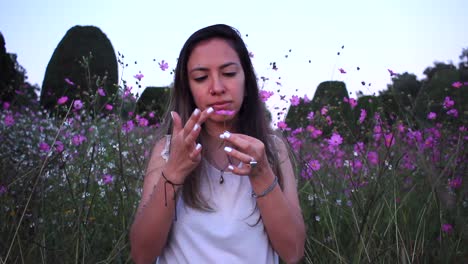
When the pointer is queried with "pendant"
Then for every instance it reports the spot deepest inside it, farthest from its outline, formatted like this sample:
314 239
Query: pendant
221 178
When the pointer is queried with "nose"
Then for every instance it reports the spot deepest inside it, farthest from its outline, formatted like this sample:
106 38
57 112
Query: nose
217 86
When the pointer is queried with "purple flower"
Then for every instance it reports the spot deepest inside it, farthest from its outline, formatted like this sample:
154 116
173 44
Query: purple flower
69 82
163 65
107 179
453 112
294 100
6 105
373 157
78 139
283 126
335 140
143 122
62 100
448 103
389 140
431 116
58 146
101 92
265 95
314 165
314 132
362 116
324 110
139 76
3 189
9 120
109 107
128 126
455 182
447 228
78 104
310 116
306 99
457 85
44 147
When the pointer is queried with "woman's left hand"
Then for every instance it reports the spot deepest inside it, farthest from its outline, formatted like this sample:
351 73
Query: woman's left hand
250 151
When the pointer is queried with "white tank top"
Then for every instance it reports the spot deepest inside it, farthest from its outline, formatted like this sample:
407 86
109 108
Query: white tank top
226 235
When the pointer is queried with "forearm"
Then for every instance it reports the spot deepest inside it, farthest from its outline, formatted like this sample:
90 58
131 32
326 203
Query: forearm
284 225
152 224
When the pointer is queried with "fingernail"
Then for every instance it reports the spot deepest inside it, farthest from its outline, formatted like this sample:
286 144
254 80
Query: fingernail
196 111
198 146
196 127
230 167
226 134
210 110
227 149
172 115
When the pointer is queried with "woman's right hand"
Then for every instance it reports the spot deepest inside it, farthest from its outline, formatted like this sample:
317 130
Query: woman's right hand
185 152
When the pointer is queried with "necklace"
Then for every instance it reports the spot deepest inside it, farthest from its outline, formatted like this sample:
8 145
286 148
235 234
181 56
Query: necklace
221 175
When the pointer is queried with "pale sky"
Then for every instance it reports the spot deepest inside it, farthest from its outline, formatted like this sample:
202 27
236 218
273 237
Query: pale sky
405 36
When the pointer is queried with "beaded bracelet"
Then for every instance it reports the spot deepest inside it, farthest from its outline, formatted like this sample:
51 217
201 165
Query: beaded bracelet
267 191
173 189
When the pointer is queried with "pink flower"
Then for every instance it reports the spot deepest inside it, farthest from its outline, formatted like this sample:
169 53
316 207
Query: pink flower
324 110
362 116
128 126
314 165
283 126
58 146
265 95
373 157
310 116
77 104
447 228
335 140
78 139
6 105
44 147
109 107
389 140
3 189
69 82
457 85
294 100
139 76
151 114
342 71
455 182
163 65
127 91
143 122
448 103
306 99
9 120
452 112
101 92
62 100
107 179
431 116
314 133
352 103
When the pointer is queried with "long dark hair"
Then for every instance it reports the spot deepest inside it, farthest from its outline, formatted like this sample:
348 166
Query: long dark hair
252 118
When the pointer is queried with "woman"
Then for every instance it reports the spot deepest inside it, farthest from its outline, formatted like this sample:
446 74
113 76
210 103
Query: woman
211 191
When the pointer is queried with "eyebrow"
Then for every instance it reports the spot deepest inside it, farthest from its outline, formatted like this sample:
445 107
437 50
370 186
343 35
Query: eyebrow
225 65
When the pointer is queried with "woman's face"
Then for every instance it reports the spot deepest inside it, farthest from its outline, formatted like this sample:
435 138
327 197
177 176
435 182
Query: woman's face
216 78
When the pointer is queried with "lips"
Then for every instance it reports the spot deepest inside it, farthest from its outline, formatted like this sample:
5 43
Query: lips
223 105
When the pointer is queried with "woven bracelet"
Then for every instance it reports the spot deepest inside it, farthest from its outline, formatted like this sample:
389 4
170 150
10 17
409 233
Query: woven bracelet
173 189
267 191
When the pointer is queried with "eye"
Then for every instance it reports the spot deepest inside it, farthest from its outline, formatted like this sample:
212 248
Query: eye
230 74
200 79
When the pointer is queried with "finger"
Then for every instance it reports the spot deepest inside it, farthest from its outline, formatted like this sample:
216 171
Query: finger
191 122
176 123
241 142
195 156
245 158
192 136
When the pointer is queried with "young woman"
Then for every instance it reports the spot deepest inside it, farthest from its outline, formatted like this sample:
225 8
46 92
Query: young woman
220 186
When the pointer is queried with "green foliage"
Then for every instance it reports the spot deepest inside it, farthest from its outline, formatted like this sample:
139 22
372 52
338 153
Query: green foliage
81 45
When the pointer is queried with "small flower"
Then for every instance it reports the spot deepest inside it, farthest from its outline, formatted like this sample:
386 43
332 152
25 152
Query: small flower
306 99
107 179
62 100
314 132
69 82
448 103
78 139
314 165
389 140
101 91
3 189
310 116
373 157
6 105
163 65
431 116
44 147
457 85
447 228
9 120
109 107
139 76
58 146
294 100
362 116
77 104
392 73
342 71
352 103
128 126
452 112
265 95
143 122
335 140
324 110
455 182
283 126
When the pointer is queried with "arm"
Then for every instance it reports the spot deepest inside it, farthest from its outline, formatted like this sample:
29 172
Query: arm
280 210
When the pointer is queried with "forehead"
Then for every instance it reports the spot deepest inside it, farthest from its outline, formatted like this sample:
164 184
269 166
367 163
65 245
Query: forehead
213 52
